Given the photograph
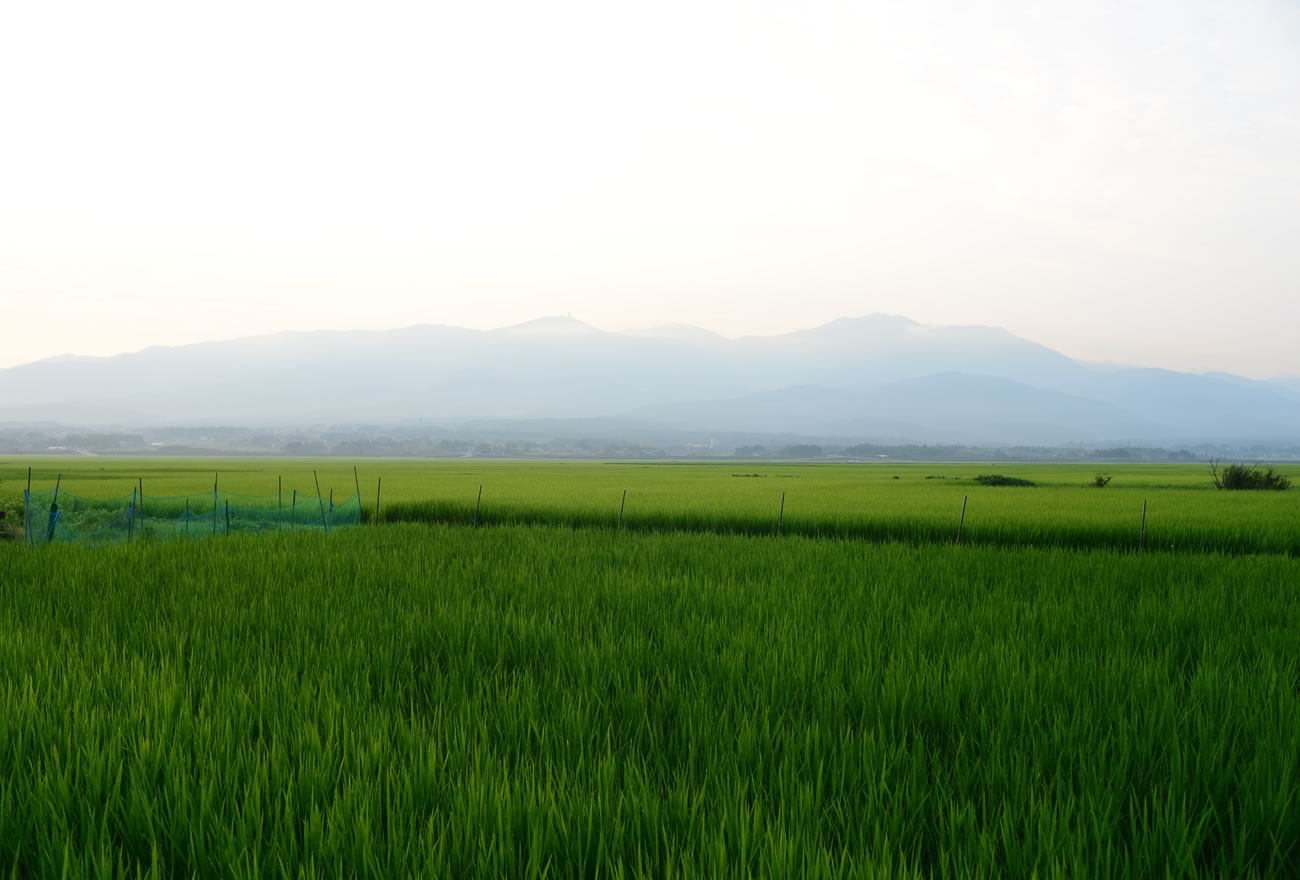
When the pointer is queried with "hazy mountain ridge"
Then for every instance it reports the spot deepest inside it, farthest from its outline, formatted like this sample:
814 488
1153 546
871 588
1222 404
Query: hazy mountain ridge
877 377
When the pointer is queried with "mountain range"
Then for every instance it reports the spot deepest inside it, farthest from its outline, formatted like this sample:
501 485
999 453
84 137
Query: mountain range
873 378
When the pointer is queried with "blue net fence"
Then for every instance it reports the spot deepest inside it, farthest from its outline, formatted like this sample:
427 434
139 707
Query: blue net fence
56 517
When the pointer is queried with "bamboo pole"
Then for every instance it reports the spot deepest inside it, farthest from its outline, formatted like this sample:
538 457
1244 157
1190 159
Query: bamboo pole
320 501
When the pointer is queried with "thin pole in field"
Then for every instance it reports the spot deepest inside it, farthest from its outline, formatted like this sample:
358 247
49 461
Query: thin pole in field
54 511
961 522
227 517
356 481
780 517
214 503
27 514
1142 535
331 507
379 488
621 506
320 501
279 502
479 506
293 511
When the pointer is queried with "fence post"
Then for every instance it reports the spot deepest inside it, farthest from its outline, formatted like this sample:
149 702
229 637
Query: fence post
961 522
27 509
54 512
1142 535
320 501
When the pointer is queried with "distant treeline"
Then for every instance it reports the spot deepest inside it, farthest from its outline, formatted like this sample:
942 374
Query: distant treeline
423 441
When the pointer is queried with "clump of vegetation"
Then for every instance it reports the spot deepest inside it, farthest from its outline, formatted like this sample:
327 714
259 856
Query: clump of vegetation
1240 476
1002 480
1101 481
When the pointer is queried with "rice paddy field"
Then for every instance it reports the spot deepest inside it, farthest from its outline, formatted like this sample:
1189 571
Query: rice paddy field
878 501
692 695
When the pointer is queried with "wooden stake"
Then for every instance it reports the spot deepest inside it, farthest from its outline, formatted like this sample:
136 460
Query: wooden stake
961 522
620 509
293 511
780 517
54 511
1142 535
320 501
478 507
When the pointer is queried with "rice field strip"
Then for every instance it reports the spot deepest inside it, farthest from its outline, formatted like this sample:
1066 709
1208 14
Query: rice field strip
49 522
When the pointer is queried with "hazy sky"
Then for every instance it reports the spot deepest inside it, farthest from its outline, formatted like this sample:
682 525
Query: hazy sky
1119 180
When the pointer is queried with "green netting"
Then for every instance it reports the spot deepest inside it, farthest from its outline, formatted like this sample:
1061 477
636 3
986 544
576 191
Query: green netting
62 518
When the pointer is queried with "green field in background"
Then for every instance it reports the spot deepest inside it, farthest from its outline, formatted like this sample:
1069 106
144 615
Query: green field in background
883 500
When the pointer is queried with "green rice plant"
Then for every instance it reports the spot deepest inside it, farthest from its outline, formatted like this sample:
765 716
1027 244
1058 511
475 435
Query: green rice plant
535 701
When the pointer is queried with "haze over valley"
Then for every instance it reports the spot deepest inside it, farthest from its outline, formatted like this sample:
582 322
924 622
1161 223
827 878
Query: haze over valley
877 379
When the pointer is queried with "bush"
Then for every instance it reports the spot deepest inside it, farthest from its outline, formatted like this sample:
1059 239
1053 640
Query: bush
1240 476
1002 480
1101 481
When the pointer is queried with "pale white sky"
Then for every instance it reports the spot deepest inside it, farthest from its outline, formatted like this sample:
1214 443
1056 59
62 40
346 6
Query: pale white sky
1119 180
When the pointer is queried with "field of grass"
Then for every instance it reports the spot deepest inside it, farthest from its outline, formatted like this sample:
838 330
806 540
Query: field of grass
530 701
1185 512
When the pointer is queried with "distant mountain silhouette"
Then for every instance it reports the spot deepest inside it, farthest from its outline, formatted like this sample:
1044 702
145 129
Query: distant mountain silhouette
878 377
